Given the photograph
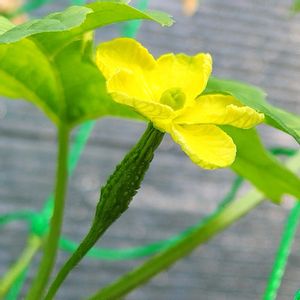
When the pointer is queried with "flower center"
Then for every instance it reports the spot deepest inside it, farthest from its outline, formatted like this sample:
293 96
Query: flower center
173 97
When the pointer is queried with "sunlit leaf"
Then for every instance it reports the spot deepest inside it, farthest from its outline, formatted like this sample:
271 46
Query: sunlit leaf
60 21
84 88
26 73
58 29
5 25
104 13
64 83
69 89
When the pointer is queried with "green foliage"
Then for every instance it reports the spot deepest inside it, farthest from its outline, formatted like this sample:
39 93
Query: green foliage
72 17
255 98
56 30
5 25
27 73
263 170
295 8
84 88
44 61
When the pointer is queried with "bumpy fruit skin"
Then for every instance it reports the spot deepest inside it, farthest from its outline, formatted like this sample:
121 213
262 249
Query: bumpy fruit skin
124 183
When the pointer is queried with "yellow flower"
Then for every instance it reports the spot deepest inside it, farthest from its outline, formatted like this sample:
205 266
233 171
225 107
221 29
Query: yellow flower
166 91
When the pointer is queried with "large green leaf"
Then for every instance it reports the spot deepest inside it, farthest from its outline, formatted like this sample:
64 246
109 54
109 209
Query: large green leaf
65 85
84 87
104 13
255 98
69 88
26 73
58 29
60 21
261 168
5 25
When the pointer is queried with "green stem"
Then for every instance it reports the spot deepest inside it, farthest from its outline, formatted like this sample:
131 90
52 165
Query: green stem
115 198
287 237
231 213
33 244
16 288
51 244
283 253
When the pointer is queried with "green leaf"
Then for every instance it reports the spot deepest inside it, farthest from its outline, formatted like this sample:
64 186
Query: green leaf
256 98
84 88
70 89
104 13
26 73
5 25
59 21
295 8
55 31
66 85
261 168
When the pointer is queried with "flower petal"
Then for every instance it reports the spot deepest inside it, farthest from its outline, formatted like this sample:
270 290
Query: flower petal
130 84
207 145
221 110
127 88
188 73
123 53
